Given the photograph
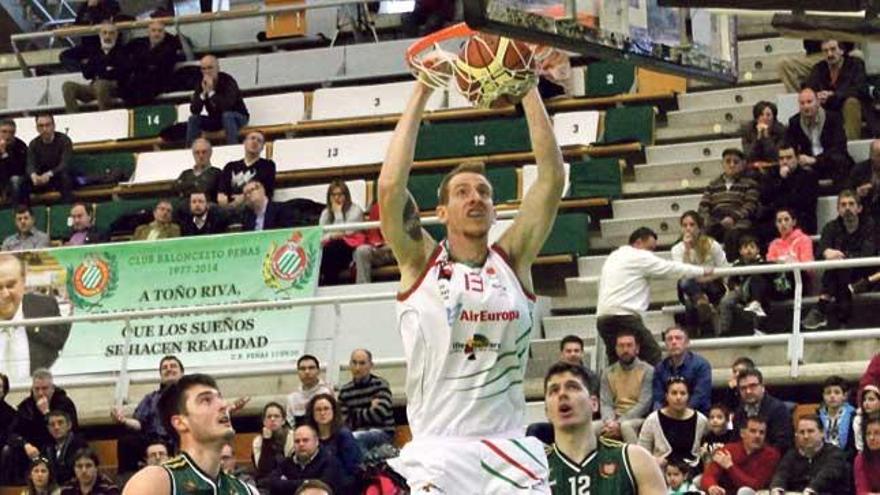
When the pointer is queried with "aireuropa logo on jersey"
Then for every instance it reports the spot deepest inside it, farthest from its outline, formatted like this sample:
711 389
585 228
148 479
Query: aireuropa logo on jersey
475 345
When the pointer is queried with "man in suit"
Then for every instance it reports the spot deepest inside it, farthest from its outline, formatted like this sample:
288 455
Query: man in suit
818 138
65 443
82 231
202 218
150 60
25 349
162 227
261 213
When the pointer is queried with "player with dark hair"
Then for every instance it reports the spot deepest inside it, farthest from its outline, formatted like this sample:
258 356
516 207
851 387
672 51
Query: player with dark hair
579 462
194 411
465 313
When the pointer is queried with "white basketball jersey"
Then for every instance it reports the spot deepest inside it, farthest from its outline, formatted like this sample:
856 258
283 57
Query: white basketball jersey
465 333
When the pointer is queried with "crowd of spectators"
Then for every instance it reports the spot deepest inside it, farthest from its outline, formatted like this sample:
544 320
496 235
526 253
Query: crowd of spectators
750 442
761 209
320 435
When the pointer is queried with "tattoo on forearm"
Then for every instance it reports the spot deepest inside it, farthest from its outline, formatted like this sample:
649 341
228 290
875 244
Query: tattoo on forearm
411 221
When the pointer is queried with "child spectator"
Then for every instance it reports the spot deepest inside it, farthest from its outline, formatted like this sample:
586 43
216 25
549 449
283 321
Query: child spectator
792 246
837 414
677 474
749 293
719 432
868 409
41 480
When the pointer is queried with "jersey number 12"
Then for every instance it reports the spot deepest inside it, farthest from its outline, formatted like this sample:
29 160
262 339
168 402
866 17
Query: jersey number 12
580 485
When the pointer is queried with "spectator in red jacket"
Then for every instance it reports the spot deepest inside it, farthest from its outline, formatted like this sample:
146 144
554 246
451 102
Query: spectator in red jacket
742 467
867 466
871 376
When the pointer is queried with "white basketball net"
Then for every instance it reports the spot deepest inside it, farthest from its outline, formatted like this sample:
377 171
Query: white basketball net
481 85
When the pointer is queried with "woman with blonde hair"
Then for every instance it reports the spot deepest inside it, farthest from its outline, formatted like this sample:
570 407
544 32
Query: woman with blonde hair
699 295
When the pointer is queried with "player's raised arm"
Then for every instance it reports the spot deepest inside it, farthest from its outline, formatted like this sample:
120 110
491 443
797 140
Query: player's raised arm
398 212
151 480
537 211
646 471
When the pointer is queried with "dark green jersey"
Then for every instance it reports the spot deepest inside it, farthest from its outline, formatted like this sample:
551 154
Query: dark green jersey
188 479
606 471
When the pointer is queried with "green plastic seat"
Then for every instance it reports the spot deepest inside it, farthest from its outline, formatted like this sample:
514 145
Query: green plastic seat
628 124
569 235
609 78
595 178
106 213
148 121
94 166
476 138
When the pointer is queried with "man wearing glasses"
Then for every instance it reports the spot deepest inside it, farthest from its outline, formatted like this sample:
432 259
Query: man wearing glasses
755 401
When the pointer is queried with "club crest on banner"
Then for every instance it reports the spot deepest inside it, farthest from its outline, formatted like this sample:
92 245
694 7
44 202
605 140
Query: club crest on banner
93 280
290 265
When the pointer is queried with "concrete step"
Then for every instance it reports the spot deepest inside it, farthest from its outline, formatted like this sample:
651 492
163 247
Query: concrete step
769 46
691 171
584 326
679 186
667 205
591 266
663 224
677 153
694 133
762 68
48 56
745 95
859 150
754 25
583 293
712 118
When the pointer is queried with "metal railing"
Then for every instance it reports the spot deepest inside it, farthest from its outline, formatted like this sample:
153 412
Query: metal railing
795 340
175 22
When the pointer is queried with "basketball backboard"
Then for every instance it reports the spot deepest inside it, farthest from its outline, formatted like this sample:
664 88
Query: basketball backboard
691 42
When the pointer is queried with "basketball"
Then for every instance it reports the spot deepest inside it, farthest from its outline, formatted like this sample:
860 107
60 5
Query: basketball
478 52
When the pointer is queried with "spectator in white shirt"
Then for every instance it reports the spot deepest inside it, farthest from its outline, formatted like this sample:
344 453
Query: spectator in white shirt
624 292
309 370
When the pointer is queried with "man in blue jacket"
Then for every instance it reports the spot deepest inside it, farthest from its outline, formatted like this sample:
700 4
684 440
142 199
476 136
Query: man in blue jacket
680 361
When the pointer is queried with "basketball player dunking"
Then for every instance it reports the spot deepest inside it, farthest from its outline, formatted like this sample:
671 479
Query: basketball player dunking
195 411
465 315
